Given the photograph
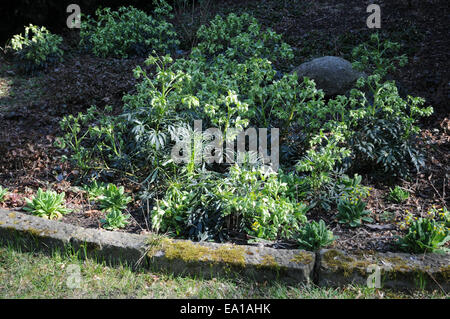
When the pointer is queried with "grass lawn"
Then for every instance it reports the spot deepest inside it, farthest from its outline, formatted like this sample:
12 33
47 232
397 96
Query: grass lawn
36 275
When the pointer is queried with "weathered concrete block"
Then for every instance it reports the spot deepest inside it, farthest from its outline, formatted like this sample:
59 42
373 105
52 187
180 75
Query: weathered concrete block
31 231
211 259
113 247
398 271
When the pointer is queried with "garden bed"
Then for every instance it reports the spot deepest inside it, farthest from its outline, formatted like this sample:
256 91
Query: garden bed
31 108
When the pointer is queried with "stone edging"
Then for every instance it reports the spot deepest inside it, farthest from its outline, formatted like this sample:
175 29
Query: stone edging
329 267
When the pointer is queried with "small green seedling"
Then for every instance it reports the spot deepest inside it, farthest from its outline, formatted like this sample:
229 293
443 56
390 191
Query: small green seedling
114 199
48 205
397 195
115 220
353 212
314 236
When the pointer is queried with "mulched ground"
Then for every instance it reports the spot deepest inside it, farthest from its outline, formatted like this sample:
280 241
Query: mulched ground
29 117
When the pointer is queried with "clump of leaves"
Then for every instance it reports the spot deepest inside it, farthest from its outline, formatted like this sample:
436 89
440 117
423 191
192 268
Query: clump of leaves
190 207
315 235
95 190
3 194
352 211
48 205
127 31
74 135
383 132
260 200
115 219
249 200
397 195
377 56
384 125
36 49
240 36
325 152
114 199
94 139
424 235
353 186
235 55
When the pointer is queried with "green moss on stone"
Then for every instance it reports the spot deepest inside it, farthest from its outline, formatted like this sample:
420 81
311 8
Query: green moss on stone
40 232
230 254
336 259
302 258
398 265
34 231
269 261
190 252
445 272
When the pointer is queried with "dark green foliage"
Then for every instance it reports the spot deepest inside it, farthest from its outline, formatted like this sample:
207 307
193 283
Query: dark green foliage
249 200
127 31
384 134
190 207
36 49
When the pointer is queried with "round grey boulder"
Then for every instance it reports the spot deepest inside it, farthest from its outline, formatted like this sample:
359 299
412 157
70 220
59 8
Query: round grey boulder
334 75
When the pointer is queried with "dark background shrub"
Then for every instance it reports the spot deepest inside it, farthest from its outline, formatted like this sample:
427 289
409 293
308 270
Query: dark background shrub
52 13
